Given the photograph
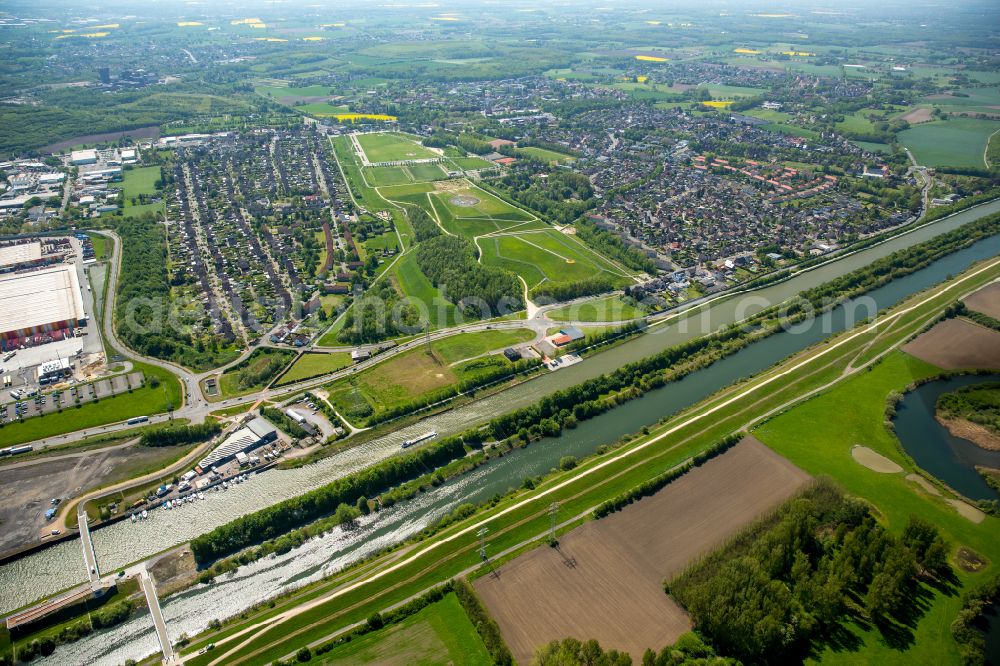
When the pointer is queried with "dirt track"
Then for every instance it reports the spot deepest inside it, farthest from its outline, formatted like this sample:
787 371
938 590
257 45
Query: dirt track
956 343
605 579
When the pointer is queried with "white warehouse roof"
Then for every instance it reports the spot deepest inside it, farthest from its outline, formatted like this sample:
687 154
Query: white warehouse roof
20 253
39 298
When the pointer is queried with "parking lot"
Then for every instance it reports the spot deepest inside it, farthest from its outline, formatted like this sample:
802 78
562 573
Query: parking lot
26 404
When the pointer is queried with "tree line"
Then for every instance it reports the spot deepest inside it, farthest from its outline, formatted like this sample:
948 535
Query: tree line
279 518
789 582
176 435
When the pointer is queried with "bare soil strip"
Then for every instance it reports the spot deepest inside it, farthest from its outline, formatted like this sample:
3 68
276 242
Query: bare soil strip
605 580
956 343
876 462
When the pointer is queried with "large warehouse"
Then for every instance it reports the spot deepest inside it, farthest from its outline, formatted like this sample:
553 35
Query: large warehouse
40 301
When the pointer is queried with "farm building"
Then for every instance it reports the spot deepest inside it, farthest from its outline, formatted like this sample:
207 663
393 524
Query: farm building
255 433
39 302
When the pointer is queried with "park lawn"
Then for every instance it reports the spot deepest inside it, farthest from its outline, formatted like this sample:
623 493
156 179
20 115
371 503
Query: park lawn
550 156
950 142
439 634
467 345
412 282
487 206
144 401
426 172
550 255
381 242
395 193
315 365
609 308
382 176
278 92
857 122
391 147
818 434
470 163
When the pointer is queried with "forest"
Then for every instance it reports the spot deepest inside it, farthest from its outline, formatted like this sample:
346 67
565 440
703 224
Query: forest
787 584
449 262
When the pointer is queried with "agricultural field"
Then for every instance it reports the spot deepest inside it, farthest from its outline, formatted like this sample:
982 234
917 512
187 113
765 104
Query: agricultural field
951 142
547 256
440 634
604 580
955 344
392 147
986 300
809 437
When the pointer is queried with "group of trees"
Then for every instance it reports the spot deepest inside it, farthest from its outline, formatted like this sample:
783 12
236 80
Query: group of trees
482 291
282 517
562 196
486 626
612 246
260 367
793 578
566 291
176 435
979 404
145 317
283 421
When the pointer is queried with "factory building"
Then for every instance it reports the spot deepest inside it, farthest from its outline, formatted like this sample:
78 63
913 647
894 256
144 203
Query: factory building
20 256
80 157
255 433
42 301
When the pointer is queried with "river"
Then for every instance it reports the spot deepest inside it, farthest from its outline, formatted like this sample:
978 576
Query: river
949 458
59 567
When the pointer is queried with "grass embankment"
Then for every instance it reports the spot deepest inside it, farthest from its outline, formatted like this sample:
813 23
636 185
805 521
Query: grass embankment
512 520
314 365
160 392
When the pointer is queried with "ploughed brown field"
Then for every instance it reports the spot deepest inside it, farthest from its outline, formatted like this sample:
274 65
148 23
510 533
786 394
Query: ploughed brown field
957 343
986 300
605 580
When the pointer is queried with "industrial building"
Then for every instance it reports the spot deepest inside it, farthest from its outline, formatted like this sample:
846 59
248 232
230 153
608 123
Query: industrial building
20 256
42 301
255 433
53 371
79 157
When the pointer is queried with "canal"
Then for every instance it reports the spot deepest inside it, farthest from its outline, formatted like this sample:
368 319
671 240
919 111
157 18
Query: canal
189 612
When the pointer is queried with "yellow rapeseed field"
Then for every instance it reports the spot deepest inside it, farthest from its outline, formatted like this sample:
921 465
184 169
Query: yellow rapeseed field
648 58
747 51
717 104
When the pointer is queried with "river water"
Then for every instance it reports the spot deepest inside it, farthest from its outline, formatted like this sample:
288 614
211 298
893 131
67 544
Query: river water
189 612
949 458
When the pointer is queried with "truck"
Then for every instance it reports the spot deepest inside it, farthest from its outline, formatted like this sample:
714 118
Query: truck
137 419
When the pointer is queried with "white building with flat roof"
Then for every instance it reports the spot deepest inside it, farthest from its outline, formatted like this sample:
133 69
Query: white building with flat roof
40 301
79 157
19 255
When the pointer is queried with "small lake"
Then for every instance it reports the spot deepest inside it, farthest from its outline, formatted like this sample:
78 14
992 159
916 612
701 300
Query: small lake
949 458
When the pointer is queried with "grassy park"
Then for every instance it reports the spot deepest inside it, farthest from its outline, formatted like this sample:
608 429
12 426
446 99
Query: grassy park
138 181
392 147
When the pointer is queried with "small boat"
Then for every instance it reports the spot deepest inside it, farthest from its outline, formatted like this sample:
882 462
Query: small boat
416 440
201 495
144 514
133 517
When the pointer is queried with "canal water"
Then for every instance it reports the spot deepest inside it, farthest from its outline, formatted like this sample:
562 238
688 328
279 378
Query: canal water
949 458
190 611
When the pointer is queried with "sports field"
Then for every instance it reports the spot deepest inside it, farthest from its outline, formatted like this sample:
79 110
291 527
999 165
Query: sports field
392 147
441 634
951 142
547 255
605 579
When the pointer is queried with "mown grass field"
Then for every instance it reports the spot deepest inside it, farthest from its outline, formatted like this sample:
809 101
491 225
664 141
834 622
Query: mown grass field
609 308
141 180
950 142
391 147
818 435
546 155
315 365
321 109
547 256
440 634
